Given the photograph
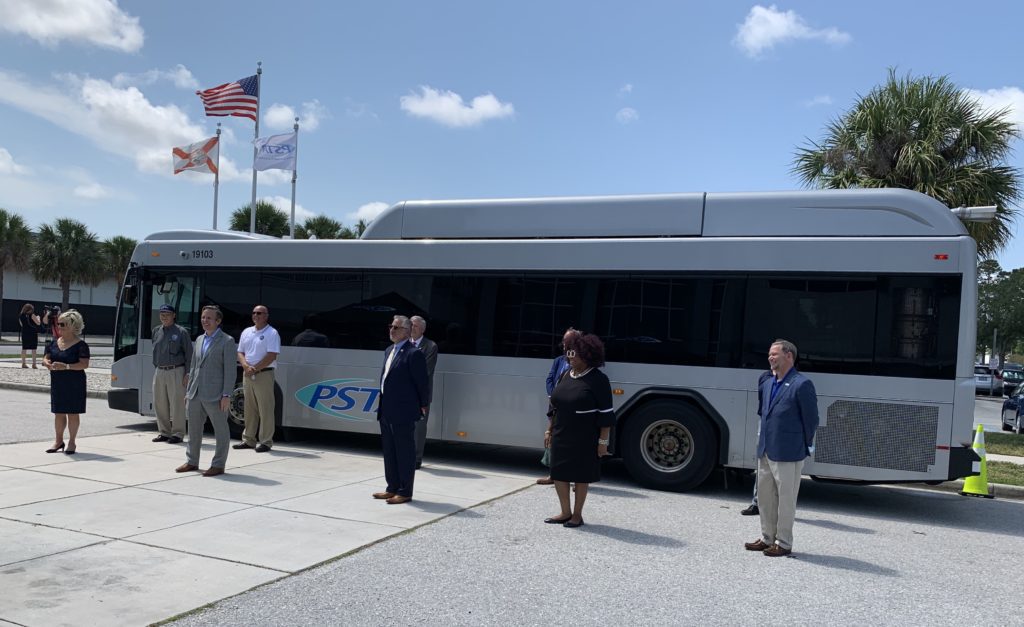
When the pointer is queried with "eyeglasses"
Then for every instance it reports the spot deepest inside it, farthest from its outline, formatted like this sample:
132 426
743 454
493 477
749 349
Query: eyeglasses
569 354
259 313
393 327
62 324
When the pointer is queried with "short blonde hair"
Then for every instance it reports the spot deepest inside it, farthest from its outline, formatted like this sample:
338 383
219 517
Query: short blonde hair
73 319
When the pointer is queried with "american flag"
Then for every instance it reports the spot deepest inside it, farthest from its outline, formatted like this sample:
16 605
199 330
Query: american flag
239 98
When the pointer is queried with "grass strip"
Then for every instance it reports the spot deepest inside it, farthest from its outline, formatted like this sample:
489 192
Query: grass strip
1006 473
1004 444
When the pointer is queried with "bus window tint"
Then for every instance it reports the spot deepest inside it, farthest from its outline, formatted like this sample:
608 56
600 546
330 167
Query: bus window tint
298 300
235 293
918 318
532 312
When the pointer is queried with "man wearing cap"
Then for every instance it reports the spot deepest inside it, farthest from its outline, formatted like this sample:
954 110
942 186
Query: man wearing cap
172 350
257 354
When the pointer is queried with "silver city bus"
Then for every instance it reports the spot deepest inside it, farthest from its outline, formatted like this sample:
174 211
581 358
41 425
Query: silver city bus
877 289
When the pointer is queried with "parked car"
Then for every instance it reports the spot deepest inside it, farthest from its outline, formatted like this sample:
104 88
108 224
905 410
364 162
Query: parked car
1011 379
985 381
1012 409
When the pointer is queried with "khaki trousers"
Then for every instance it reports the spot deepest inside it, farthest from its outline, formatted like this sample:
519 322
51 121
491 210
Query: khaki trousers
169 401
777 486
258 392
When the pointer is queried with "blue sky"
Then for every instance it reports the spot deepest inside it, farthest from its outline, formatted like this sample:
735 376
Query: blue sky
438 100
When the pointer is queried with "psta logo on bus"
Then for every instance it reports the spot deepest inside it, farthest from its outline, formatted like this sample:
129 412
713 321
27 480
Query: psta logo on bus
338 396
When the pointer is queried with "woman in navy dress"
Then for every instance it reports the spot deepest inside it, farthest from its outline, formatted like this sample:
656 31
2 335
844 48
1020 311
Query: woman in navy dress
29 323
67 358
580 426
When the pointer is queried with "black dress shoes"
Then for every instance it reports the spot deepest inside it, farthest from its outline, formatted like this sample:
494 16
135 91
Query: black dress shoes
241 445
557 521
262 448
174 440
571 525
161 438
752 510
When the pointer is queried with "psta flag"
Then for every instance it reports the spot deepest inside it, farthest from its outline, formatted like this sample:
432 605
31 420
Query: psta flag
200 156
276 152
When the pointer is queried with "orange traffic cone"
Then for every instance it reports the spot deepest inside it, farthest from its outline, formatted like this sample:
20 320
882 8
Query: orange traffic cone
977 485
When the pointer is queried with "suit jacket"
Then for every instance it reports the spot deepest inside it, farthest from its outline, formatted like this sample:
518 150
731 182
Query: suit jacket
788 421
212 375
406 388
429 349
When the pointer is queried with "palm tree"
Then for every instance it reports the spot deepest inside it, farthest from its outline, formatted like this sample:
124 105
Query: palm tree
361 227
117 254
928 135
321 226
65 253
269 219
15 246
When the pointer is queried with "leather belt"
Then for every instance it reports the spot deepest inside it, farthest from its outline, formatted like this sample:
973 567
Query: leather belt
270 368
170 367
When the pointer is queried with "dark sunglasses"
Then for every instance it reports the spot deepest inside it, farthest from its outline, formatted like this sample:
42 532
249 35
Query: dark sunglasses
394 327
259 313
62 324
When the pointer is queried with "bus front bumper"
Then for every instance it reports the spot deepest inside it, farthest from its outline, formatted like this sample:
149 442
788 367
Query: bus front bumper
123 399
961 462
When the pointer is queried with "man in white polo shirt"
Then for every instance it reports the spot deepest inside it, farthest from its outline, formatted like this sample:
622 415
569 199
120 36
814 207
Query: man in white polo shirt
257 354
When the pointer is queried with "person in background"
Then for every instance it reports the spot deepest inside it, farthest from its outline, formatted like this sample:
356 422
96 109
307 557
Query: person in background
558 368
258 349
172 353
752 509
29 323
311 336
211 379
429 348
67 358
789 418
580 426
49 323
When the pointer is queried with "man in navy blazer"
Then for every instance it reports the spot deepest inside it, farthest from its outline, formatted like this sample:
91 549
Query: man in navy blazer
789 418
404 398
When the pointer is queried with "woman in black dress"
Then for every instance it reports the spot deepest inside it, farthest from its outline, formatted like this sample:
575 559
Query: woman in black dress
580 426
29 323
67 358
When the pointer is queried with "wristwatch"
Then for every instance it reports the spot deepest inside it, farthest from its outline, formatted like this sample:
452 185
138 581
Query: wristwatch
604 442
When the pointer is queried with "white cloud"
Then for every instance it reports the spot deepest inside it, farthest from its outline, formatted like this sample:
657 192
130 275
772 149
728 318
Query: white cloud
1011 98
92 191
367 212
8 165
625 90
448 108
627 115
767 26
355 109
282 117
285 204
97 22
179 75
818 101
120 121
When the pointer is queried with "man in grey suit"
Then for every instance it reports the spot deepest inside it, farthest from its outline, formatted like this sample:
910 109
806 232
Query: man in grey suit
789 418
211 379
429 348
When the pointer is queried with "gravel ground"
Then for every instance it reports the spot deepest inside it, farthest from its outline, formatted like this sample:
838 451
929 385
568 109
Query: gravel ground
865 555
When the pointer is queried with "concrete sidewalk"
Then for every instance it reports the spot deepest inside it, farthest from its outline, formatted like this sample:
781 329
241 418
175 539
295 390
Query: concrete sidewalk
112 535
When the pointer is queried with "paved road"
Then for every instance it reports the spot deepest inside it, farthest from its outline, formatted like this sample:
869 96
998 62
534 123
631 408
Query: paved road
27 418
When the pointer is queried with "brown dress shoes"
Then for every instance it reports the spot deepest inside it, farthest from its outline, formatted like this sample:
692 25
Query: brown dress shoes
383 495
398 499
213 471
777 551
186 468
758 545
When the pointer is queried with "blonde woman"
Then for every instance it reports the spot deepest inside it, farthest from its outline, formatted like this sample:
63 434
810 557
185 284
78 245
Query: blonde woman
29 323
66 359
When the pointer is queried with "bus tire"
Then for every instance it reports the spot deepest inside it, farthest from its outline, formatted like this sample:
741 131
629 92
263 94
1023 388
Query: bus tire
236 414
669 445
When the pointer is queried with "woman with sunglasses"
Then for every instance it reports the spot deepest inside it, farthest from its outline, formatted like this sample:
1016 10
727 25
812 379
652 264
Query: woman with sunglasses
66 359
580 426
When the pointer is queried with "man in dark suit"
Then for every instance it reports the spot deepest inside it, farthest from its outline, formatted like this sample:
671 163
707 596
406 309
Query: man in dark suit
404 396
209 384
429 348
789 418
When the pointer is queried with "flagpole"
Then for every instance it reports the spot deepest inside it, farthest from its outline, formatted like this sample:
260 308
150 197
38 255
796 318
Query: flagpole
216 180
256 135
295 174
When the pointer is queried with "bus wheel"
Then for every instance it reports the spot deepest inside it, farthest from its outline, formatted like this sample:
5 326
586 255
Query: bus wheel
236 413
669 445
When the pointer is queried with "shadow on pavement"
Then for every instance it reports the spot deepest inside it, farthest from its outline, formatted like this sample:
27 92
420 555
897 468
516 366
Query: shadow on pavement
630 536
846 563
